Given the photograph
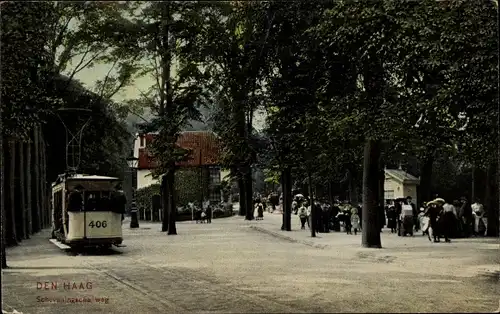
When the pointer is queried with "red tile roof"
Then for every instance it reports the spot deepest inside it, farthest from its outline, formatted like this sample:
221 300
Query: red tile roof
198 142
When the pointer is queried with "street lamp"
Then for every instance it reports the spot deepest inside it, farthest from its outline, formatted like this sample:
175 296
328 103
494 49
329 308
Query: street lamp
132 163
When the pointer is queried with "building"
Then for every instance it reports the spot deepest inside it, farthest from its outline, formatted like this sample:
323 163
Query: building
399 183
204 152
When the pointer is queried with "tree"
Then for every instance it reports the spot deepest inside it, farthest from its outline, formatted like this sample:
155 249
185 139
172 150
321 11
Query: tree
30 93
370 107
3 209
168 34
84 34
235 46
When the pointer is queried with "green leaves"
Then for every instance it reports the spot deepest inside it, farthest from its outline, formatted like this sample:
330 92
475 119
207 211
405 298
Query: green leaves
25 66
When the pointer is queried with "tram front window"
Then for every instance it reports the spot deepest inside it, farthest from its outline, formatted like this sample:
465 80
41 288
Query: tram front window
97 201
92 201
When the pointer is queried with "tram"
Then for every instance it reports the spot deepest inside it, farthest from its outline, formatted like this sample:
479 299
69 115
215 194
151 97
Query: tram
87 210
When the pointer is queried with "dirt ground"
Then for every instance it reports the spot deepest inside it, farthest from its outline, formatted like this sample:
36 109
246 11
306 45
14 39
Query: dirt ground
252 267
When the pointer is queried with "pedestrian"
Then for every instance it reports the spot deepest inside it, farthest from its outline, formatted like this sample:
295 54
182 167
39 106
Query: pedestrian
407 219
260 211
318 213
355 221
381 217
209 213
326 217
478 213
448 222
391 218
435 215
295 207
303 216
309 212
360 213
335 219
347 222
423 221
466 217
409 201
398 204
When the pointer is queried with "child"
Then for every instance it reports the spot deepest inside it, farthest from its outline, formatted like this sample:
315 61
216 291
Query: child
355 221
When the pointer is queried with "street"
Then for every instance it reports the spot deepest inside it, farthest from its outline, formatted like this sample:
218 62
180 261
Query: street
234 265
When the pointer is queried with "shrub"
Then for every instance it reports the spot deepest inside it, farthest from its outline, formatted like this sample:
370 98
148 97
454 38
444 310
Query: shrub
144 200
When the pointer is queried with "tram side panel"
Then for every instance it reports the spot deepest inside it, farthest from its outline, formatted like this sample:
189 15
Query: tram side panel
94 225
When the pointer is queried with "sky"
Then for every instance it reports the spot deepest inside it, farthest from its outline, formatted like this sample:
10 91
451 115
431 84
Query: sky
89 76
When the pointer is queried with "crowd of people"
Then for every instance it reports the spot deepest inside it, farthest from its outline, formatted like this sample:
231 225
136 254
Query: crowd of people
437 218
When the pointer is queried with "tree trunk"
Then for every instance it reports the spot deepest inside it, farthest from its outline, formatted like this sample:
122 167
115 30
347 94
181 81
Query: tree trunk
381 182
46 209
478 179
2 202
37 185
172 208
29 209
353 188
492 200
22 194
287 199
330 192
242 198
164 203
283 189
371 185
312 218
249 193
10 162
426 179
13 191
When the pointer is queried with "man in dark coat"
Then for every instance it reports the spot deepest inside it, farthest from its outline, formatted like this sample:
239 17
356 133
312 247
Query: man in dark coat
398 204
465 217
381 217
318 213
326 216
209 213
435 216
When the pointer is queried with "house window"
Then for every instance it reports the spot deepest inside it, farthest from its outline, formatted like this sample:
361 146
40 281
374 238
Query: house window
214 175
215 193
142 141
389 194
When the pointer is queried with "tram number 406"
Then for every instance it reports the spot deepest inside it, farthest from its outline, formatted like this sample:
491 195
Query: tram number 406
98 224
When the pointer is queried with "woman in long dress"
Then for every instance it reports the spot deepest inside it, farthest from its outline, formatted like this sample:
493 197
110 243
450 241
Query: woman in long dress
478 212
391 218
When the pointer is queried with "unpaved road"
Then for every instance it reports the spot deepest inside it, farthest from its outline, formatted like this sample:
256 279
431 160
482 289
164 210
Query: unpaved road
229 267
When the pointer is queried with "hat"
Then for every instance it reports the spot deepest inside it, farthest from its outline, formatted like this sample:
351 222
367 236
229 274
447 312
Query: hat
437 201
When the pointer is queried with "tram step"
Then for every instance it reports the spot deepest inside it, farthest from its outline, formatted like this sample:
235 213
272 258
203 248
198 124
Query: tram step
60 245
120 245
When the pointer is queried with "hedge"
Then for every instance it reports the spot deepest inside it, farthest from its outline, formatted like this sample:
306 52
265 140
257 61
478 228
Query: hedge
188 188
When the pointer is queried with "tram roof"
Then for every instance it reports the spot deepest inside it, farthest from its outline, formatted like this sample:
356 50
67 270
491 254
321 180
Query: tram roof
92 177
87 177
